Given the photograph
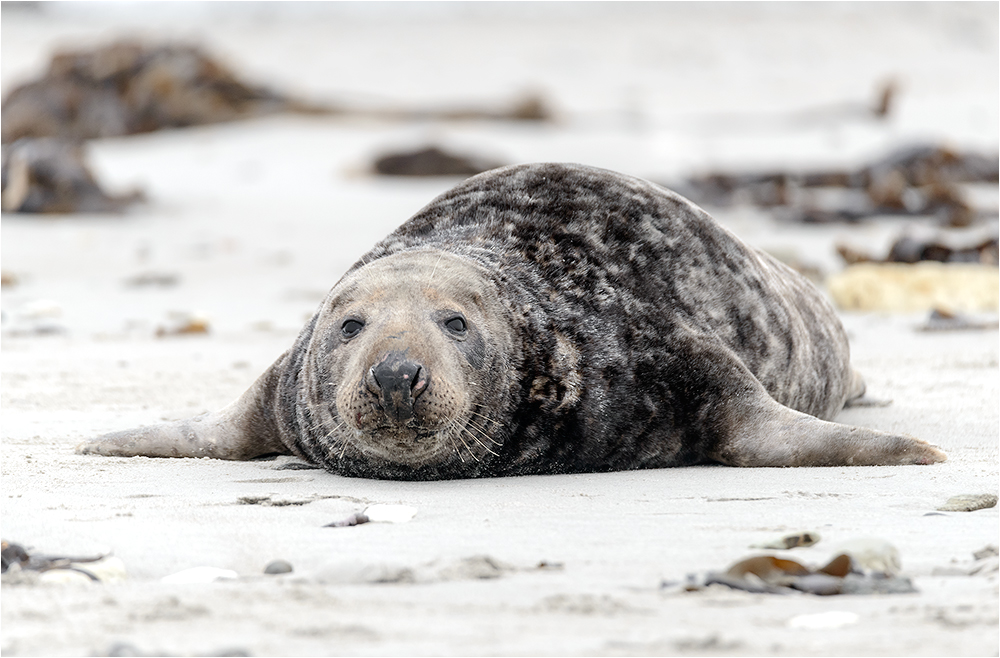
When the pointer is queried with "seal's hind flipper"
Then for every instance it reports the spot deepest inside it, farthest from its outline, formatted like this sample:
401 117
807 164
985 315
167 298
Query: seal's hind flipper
243 430
751 428
770 434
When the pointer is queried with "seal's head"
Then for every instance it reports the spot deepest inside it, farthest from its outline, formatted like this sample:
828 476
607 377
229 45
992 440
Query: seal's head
417 351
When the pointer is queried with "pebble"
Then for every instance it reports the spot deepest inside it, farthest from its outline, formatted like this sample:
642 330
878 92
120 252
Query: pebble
969 503
278 566
792 540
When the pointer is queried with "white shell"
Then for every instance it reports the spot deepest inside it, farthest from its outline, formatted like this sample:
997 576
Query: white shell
872 554
64 577
390 513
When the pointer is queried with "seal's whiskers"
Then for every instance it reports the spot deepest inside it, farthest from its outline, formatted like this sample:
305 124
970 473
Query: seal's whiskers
468 428
466 445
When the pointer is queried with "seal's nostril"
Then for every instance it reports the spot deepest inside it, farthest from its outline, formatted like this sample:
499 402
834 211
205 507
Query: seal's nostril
417 385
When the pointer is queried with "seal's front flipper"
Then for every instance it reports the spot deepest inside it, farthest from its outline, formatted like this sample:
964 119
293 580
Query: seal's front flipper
770 434
243 430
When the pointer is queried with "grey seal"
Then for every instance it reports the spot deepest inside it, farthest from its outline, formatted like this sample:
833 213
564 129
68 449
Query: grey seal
551 318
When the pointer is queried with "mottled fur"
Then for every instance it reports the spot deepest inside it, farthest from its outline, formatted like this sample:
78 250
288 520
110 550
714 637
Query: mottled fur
627 330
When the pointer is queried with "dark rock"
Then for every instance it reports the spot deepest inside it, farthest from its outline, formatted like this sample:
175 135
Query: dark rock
430 161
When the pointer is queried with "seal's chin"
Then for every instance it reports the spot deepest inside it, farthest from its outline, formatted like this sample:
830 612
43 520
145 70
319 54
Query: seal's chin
406 446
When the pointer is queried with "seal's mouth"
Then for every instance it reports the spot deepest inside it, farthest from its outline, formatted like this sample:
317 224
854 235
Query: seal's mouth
401 435
407 446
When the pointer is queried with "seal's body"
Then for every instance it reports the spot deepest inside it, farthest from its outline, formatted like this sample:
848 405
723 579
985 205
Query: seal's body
549 319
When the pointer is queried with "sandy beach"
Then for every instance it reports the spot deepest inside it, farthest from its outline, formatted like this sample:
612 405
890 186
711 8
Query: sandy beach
248 224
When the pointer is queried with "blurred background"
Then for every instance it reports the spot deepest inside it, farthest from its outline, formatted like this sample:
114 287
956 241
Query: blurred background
171 167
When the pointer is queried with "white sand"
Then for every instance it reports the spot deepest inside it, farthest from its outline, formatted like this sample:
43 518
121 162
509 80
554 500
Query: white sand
258 220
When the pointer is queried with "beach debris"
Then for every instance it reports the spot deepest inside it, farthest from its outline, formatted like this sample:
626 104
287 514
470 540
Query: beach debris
430 161
127 87
345 570
943 320
196 575
40 309
924 286
184 324
354 570
871 555
121 649
380 513
153 280
38 317
275 501
476 567
988 551
275 567
824 621
791 540
11 554
917 180
528 106
969 503
21 566
52 176
863 566
355 518
979 245
986 563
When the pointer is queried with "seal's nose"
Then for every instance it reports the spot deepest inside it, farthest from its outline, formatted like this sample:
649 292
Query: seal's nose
399 382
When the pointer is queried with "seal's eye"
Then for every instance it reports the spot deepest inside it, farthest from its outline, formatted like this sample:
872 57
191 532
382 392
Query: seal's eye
456 324
351 328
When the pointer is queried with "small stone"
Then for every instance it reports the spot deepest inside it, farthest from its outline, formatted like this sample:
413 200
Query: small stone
969 503
987 551
792 540
278 566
